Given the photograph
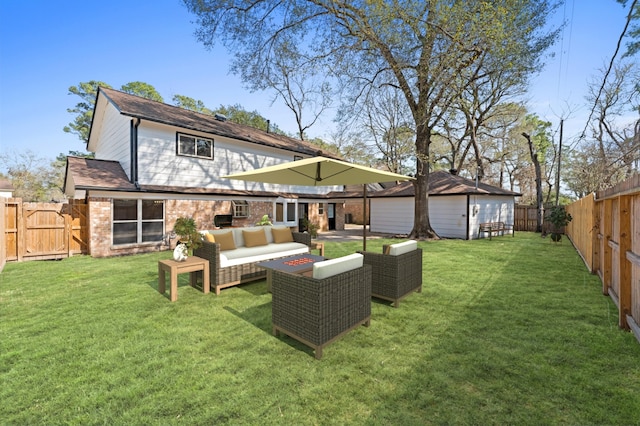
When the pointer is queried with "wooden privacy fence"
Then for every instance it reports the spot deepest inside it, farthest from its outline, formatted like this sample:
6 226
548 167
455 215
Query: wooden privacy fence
606 231
526 218
40 231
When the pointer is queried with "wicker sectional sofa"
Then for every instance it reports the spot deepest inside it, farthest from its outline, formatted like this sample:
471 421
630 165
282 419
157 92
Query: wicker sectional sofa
230 267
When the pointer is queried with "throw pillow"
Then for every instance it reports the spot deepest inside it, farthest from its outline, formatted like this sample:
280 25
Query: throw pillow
254 238
402 248
281 235
209 238
331 267
225 240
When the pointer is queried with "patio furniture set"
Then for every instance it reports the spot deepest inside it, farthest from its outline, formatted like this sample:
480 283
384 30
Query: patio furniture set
314 300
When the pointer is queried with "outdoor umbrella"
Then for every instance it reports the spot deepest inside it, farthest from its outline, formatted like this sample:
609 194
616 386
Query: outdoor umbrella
321 171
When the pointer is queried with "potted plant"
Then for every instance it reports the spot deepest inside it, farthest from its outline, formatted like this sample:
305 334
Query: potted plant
559 218
311 227
187 232
265 221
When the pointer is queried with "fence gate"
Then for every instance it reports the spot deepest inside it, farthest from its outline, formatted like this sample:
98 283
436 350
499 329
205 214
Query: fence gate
39 231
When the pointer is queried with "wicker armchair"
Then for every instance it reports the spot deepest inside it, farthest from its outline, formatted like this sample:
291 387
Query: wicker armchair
317 312
395 276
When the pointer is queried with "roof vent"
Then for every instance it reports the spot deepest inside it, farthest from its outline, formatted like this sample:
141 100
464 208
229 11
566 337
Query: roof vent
220 117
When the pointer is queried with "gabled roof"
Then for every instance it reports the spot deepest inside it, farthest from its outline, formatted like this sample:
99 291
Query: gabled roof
442 183
146 109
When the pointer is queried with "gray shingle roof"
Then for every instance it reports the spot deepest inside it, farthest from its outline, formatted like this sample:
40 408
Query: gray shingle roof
146 109
440 183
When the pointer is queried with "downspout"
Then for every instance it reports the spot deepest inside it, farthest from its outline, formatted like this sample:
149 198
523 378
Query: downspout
134 151
469 213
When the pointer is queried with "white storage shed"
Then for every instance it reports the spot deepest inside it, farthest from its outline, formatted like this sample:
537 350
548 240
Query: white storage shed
457 206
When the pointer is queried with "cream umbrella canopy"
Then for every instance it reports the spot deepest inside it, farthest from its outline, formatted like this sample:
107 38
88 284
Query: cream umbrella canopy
321 171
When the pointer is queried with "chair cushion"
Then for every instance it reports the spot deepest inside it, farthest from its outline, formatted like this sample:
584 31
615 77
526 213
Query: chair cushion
254 238
331 267
209 238
225 239
402 248
281 235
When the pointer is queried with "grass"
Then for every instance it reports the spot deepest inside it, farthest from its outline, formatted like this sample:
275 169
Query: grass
509 331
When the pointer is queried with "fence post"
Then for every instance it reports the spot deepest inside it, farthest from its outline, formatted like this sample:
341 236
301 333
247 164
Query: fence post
624 265
607 224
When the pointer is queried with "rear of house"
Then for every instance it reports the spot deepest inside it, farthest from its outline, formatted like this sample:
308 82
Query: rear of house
155 162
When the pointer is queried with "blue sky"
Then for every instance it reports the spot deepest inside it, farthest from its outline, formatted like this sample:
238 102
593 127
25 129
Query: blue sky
48 46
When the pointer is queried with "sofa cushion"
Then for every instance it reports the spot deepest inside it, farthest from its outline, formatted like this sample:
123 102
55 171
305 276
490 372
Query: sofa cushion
402 248
282 235
225 239
254 238
243 255
331 267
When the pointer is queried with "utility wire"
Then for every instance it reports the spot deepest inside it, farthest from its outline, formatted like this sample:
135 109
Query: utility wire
604 81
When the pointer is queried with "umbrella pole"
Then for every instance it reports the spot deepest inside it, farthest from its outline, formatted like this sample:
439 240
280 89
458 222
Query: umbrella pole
364 218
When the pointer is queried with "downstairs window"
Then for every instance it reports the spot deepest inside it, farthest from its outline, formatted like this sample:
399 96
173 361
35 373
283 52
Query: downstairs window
137 221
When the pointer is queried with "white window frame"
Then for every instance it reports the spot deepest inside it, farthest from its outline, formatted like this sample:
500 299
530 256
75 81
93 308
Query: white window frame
138 221
196 139
240 208
289 205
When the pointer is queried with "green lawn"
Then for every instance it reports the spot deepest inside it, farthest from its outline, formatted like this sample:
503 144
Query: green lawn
509 331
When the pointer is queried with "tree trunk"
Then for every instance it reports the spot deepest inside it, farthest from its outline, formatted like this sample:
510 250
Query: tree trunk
421 225
536 165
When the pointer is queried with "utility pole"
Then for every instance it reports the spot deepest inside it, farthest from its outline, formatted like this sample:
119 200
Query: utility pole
559 163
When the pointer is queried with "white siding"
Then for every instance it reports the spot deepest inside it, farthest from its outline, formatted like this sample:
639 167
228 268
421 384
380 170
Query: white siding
491 208
114 139
158 163
448 214
396 215
391 215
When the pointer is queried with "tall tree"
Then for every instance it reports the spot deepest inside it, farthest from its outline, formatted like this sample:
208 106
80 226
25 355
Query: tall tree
610 152
87 92
538 141
633 45
144 90
420 48
388 123
191 104
237 114
305 94
34 178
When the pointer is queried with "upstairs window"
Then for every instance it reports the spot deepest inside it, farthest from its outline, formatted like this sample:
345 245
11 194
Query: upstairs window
195 146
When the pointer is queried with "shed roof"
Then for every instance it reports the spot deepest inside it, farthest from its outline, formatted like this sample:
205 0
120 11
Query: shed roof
146 109
441 183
